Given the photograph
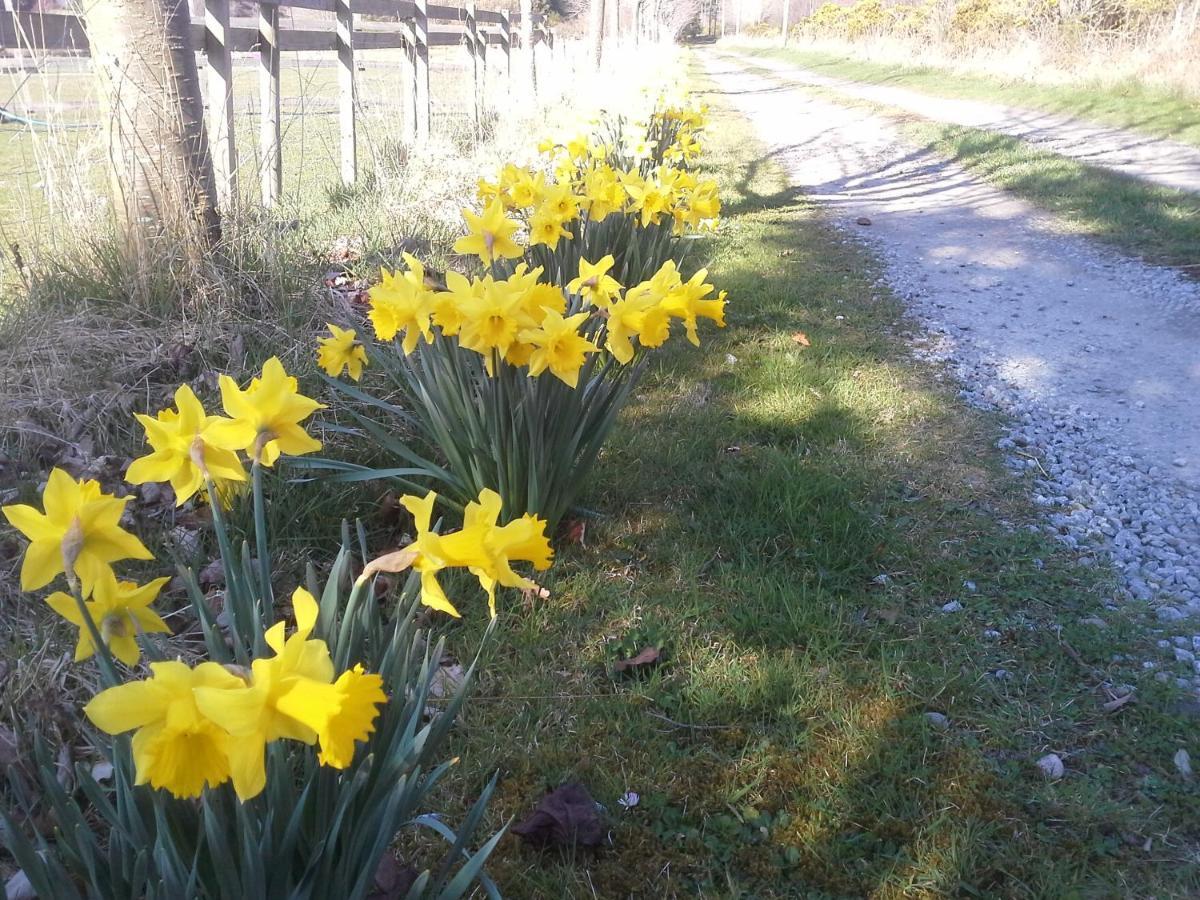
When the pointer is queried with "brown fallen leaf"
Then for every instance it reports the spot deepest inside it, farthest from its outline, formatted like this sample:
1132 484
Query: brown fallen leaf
802 339
1114 705
393 879
573 531
649 656
565 817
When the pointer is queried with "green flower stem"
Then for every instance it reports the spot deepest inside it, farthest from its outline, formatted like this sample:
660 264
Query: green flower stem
107 668
267 593
238 619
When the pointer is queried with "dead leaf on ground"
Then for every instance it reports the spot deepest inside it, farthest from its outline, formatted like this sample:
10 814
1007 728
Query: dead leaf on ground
573 531
1114 705
393 879
565 817
649 656
447 679
802 339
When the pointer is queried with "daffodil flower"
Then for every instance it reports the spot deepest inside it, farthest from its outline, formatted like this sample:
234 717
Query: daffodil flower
489 235
78 534
341 351
175 747
183 450
292 696
120 609
559 347
594 283
265 417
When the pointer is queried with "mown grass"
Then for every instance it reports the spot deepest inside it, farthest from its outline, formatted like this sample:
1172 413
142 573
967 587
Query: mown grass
1144 108
753 496
1159 224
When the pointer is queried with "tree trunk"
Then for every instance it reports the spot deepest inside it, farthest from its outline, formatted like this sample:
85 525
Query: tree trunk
597 28
783 36
527 43
141 50
616 21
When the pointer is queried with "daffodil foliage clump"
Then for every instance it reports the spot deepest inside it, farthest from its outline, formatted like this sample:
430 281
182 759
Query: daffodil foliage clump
283 758
515 374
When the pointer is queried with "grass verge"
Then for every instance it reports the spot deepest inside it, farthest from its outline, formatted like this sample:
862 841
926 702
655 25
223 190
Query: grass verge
787 523
1156 111
1159 224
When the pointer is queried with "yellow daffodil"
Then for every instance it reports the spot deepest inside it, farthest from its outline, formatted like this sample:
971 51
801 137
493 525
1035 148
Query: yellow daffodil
648 199
542 297
120 609
688 303
265 417
491 320
603 193
488 549
526 189
402 302
446 306
249 709
341 351
625 320
79 533
431 558
489 235
560 201
594 283
340 713
546 227
559 347
183 450
174 747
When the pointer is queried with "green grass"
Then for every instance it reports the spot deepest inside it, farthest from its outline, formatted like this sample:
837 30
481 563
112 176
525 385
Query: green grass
1159 224
1152 110
752 496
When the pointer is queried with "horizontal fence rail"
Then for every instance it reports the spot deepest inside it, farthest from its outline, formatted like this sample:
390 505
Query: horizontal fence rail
219 35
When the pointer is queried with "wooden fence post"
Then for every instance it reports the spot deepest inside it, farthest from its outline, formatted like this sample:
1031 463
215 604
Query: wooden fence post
220 99
506 24
472 39
421 70
268 98
346 97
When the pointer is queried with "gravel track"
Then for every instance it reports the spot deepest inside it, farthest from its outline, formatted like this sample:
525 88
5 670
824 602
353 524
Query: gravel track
1094 357
1158 160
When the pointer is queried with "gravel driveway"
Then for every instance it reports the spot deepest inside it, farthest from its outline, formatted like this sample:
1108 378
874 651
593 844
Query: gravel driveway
1094 357
1158 160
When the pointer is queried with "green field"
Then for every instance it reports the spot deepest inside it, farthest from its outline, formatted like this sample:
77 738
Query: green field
47 174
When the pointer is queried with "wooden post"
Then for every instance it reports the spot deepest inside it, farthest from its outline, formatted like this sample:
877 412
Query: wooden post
529 60
269 137
421 70
346 98
506 24
220 99
472 39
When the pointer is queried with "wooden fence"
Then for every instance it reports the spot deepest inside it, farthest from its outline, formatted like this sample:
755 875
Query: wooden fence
218 36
